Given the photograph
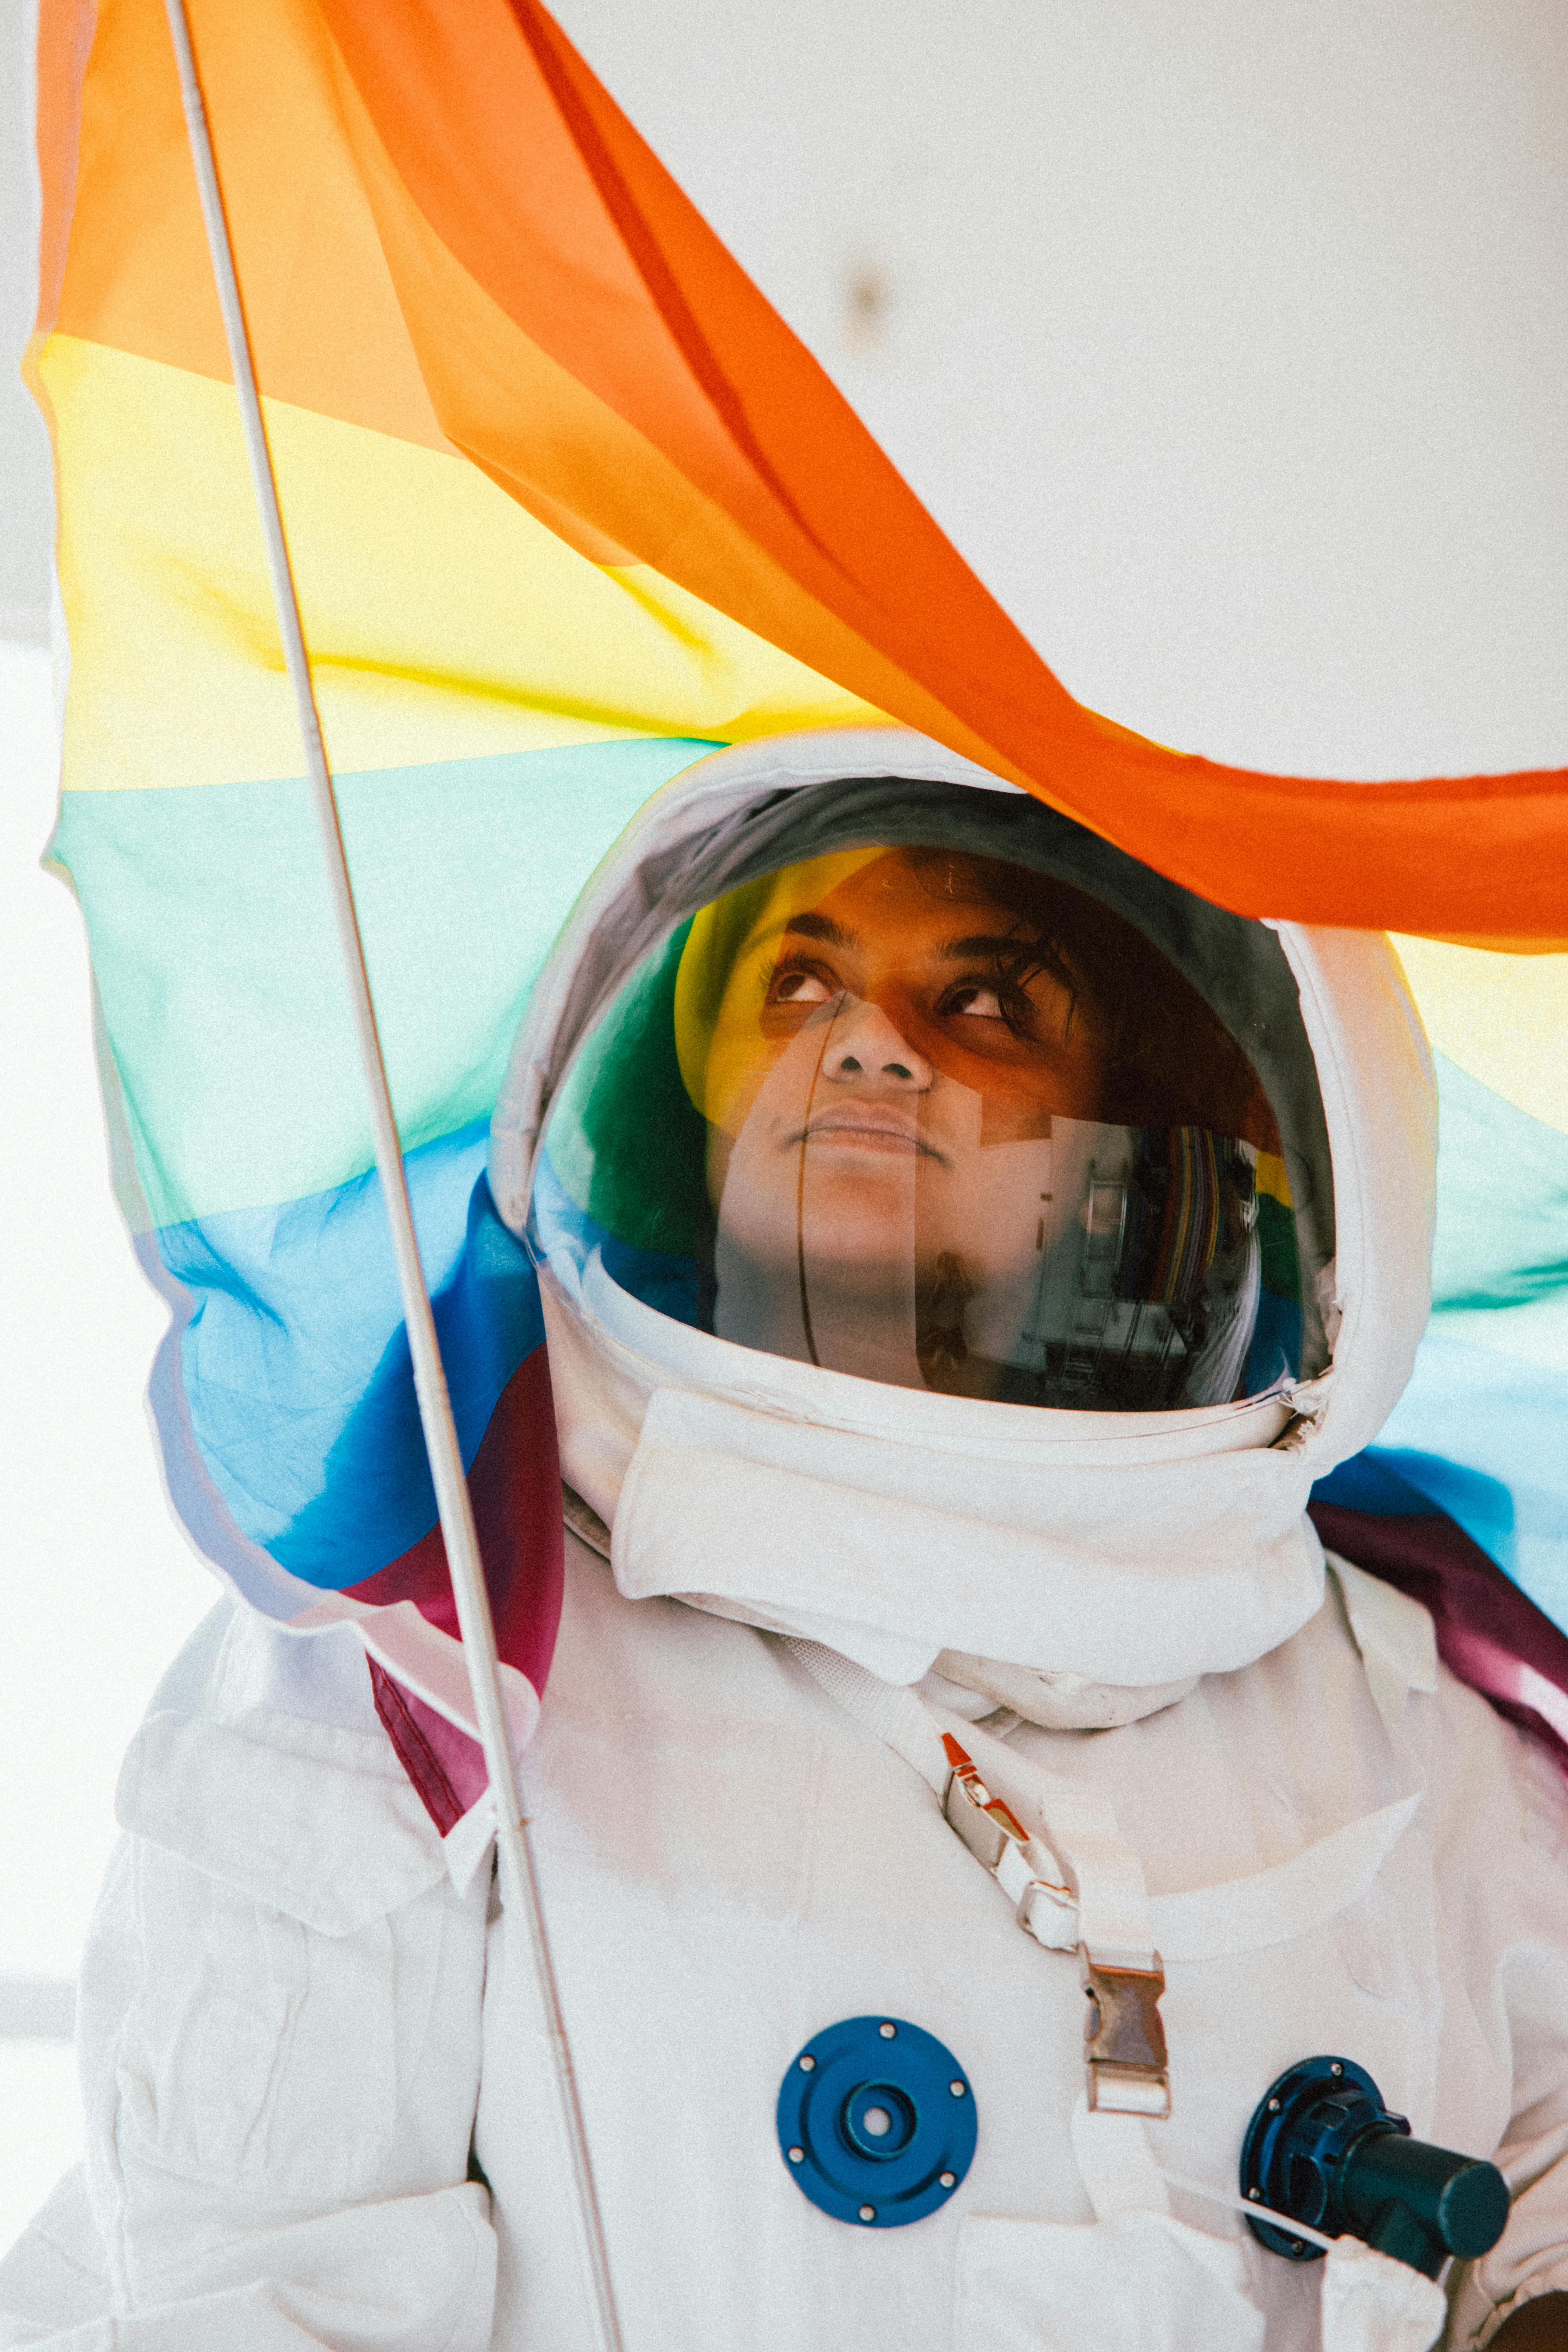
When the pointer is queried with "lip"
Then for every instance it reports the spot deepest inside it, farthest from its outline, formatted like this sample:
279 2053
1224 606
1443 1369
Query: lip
866 1127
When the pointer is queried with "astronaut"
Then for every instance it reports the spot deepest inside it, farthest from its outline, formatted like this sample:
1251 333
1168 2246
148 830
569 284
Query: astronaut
962 1249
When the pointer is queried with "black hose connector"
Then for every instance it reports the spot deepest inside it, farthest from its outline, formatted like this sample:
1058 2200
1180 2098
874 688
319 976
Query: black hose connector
1323 2148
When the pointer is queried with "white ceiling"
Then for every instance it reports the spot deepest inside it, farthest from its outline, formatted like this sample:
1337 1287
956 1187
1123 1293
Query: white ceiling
1229 341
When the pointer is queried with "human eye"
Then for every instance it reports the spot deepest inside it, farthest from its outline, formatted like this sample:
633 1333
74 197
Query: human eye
996 1008
975 1000
801 984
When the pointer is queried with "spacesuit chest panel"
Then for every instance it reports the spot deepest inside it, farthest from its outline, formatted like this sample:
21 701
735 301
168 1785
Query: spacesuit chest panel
730 1863
1238 1957
1363 1979
1292 1880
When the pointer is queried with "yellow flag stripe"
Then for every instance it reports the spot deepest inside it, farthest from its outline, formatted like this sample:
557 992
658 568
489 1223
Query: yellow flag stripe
1502 1019
445 622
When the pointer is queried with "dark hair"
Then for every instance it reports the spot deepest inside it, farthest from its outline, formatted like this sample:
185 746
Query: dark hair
1172 1062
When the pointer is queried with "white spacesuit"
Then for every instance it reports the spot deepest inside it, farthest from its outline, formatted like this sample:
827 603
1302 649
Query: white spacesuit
941 1642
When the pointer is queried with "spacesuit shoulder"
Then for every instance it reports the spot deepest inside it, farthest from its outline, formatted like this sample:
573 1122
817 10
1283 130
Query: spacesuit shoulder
261 1763
279 2025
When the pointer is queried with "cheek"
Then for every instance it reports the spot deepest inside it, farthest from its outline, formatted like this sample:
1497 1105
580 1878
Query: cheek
767 1091
720 1149
736 1083
752 1185
1022 1091
730 1087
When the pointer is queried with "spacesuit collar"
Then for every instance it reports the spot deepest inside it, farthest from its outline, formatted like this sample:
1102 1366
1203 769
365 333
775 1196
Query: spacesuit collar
1084 1575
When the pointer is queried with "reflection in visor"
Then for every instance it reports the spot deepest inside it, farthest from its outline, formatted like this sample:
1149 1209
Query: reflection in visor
939 1120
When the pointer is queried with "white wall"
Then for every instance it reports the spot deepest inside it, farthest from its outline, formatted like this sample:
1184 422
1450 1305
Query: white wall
97 1587
100 1587
27 507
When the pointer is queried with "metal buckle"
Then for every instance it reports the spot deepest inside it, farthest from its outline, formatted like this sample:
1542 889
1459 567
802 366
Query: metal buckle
1124 2034
983 1822
995 1836
1124 2039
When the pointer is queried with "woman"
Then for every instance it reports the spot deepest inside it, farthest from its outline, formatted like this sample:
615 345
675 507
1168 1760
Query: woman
962 1249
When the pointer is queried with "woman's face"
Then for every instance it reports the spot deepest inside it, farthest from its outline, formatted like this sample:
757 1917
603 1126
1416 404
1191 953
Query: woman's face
887 1067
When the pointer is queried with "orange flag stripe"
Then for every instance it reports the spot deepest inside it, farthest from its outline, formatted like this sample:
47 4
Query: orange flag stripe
539 293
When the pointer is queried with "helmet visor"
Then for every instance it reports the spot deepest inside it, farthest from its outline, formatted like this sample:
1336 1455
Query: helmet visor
937 1118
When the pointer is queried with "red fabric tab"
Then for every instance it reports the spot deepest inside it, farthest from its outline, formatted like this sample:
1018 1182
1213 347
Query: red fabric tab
1490 1634
515 1484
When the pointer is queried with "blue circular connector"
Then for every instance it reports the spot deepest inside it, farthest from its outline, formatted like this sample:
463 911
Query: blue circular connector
876 2122
1322 2148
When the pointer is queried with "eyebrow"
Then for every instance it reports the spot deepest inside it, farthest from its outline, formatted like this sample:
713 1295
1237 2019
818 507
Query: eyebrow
978 943
810 926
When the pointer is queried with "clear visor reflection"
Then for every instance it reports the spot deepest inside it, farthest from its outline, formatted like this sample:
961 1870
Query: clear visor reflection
865 1222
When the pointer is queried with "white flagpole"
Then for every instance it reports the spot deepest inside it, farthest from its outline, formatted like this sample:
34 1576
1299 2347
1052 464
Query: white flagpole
519 1877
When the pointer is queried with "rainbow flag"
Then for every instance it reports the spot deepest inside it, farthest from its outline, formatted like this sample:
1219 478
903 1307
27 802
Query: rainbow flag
569 505
1481 1433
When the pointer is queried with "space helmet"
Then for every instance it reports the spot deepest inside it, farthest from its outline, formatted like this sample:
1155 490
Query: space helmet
935 1088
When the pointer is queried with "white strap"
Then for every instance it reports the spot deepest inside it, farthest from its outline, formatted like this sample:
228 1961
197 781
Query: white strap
1116 2163
1114 1916
892 1713
1029 1875
1274 1906
1078 1830
1092 1899
1106 1876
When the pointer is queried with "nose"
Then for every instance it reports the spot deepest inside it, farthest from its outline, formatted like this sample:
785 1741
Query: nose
865 1044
